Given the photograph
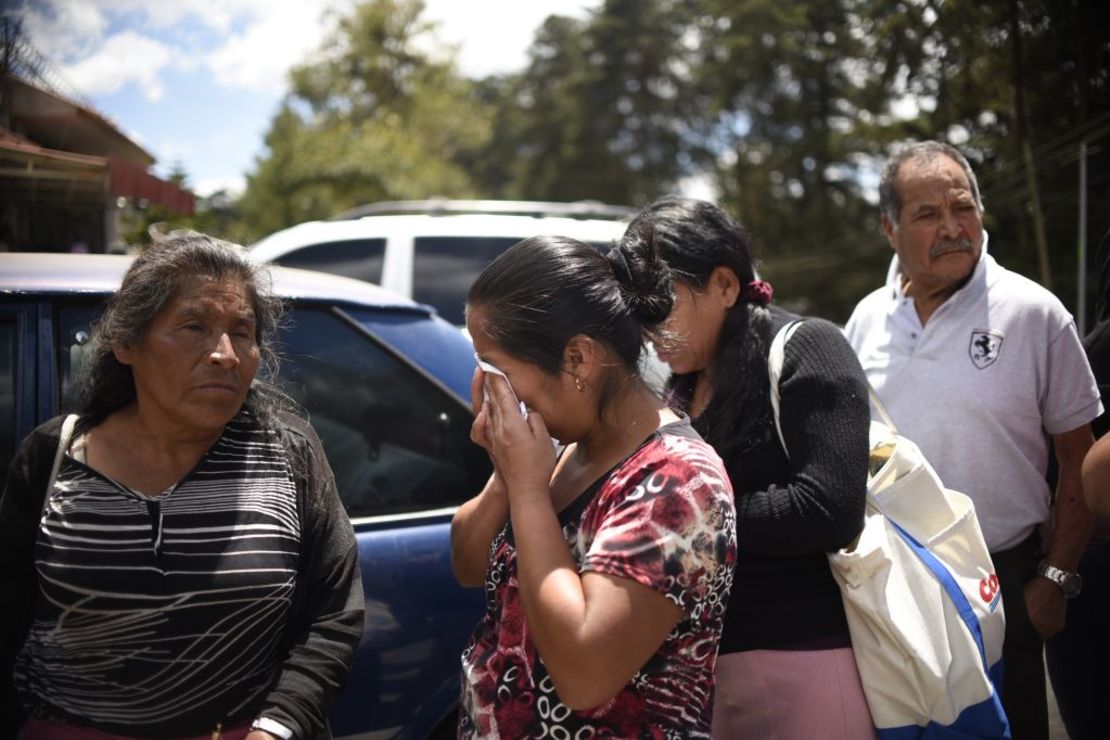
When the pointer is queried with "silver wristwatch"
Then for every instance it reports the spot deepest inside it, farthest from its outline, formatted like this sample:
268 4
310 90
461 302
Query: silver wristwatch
1070 583
273 727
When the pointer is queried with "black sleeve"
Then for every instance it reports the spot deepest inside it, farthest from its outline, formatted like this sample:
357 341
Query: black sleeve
329 628
20 508
825 421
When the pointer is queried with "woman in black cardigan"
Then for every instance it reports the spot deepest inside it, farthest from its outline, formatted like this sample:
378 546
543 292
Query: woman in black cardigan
786 668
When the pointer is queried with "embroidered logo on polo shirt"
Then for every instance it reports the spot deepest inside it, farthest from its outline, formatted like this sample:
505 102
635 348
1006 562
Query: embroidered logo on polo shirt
984 348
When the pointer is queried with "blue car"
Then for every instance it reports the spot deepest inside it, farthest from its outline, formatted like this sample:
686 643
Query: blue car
386 383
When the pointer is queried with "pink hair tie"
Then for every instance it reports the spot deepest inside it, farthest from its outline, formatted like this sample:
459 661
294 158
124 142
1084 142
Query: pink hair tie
757 291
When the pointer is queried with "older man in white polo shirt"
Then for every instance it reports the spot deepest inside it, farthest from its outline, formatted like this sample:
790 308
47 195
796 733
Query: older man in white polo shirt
979 366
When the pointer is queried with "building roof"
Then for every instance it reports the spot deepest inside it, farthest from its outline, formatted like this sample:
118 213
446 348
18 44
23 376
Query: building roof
54 140
59 123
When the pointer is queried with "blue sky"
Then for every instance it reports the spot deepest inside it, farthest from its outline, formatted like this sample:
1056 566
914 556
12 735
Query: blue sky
196 82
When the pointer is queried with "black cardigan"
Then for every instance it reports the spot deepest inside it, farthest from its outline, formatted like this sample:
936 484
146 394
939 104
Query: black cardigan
791 512
326 614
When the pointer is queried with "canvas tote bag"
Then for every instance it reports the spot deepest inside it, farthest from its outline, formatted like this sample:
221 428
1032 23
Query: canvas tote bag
920 593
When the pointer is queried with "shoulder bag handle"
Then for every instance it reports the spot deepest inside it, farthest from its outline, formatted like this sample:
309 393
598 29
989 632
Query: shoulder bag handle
774 371
775 359
63 444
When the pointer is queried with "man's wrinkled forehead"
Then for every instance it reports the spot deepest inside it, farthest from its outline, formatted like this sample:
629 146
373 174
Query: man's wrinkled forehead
942 194
939 176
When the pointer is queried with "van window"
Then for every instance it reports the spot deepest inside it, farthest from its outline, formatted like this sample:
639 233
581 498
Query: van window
445 266
356 258
395 440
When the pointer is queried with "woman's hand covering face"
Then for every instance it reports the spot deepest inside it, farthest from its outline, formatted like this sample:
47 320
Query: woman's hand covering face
521 448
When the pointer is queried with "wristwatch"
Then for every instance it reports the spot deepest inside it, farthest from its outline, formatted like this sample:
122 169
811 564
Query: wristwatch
273 727
1070 583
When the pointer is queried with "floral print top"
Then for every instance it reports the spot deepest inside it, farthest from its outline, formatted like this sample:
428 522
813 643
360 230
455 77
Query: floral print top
663 517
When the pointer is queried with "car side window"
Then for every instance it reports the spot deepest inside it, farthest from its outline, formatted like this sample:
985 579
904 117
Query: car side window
356 258
9 336
445 266
396 441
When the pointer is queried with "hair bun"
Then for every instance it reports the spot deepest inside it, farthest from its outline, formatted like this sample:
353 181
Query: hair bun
645 281
618 261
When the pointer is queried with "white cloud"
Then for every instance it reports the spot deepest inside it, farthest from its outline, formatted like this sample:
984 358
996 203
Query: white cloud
64 30
494 35
218 15
259 57
131 46
249 43
124 58
162 14
206 186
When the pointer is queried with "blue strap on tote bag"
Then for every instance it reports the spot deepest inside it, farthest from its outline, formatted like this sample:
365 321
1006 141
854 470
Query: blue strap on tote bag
920 594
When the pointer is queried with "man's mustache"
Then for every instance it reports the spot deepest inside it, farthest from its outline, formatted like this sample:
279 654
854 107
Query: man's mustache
947 246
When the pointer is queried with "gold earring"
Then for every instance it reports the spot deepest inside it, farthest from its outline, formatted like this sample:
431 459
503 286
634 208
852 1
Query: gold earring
578 384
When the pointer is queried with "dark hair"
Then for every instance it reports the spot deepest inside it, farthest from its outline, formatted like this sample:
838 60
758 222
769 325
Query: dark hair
543 291
156 276
694 237
921 152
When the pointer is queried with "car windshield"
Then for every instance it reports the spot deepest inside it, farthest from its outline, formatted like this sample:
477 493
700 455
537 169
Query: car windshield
434 345
396 439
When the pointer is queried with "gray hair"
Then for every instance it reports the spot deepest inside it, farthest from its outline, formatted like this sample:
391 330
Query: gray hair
921 152
155 277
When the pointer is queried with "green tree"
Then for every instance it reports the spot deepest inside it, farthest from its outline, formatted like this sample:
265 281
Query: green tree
787 107
602 111
812 96
372 117
1017 85
799 119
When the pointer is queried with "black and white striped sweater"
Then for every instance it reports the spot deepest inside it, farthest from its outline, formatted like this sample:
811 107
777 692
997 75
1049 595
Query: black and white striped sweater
233 596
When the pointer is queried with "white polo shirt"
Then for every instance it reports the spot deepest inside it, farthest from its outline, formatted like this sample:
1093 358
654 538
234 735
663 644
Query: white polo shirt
998 367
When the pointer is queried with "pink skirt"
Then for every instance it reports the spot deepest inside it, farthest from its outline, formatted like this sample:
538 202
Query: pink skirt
36 729
790 695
